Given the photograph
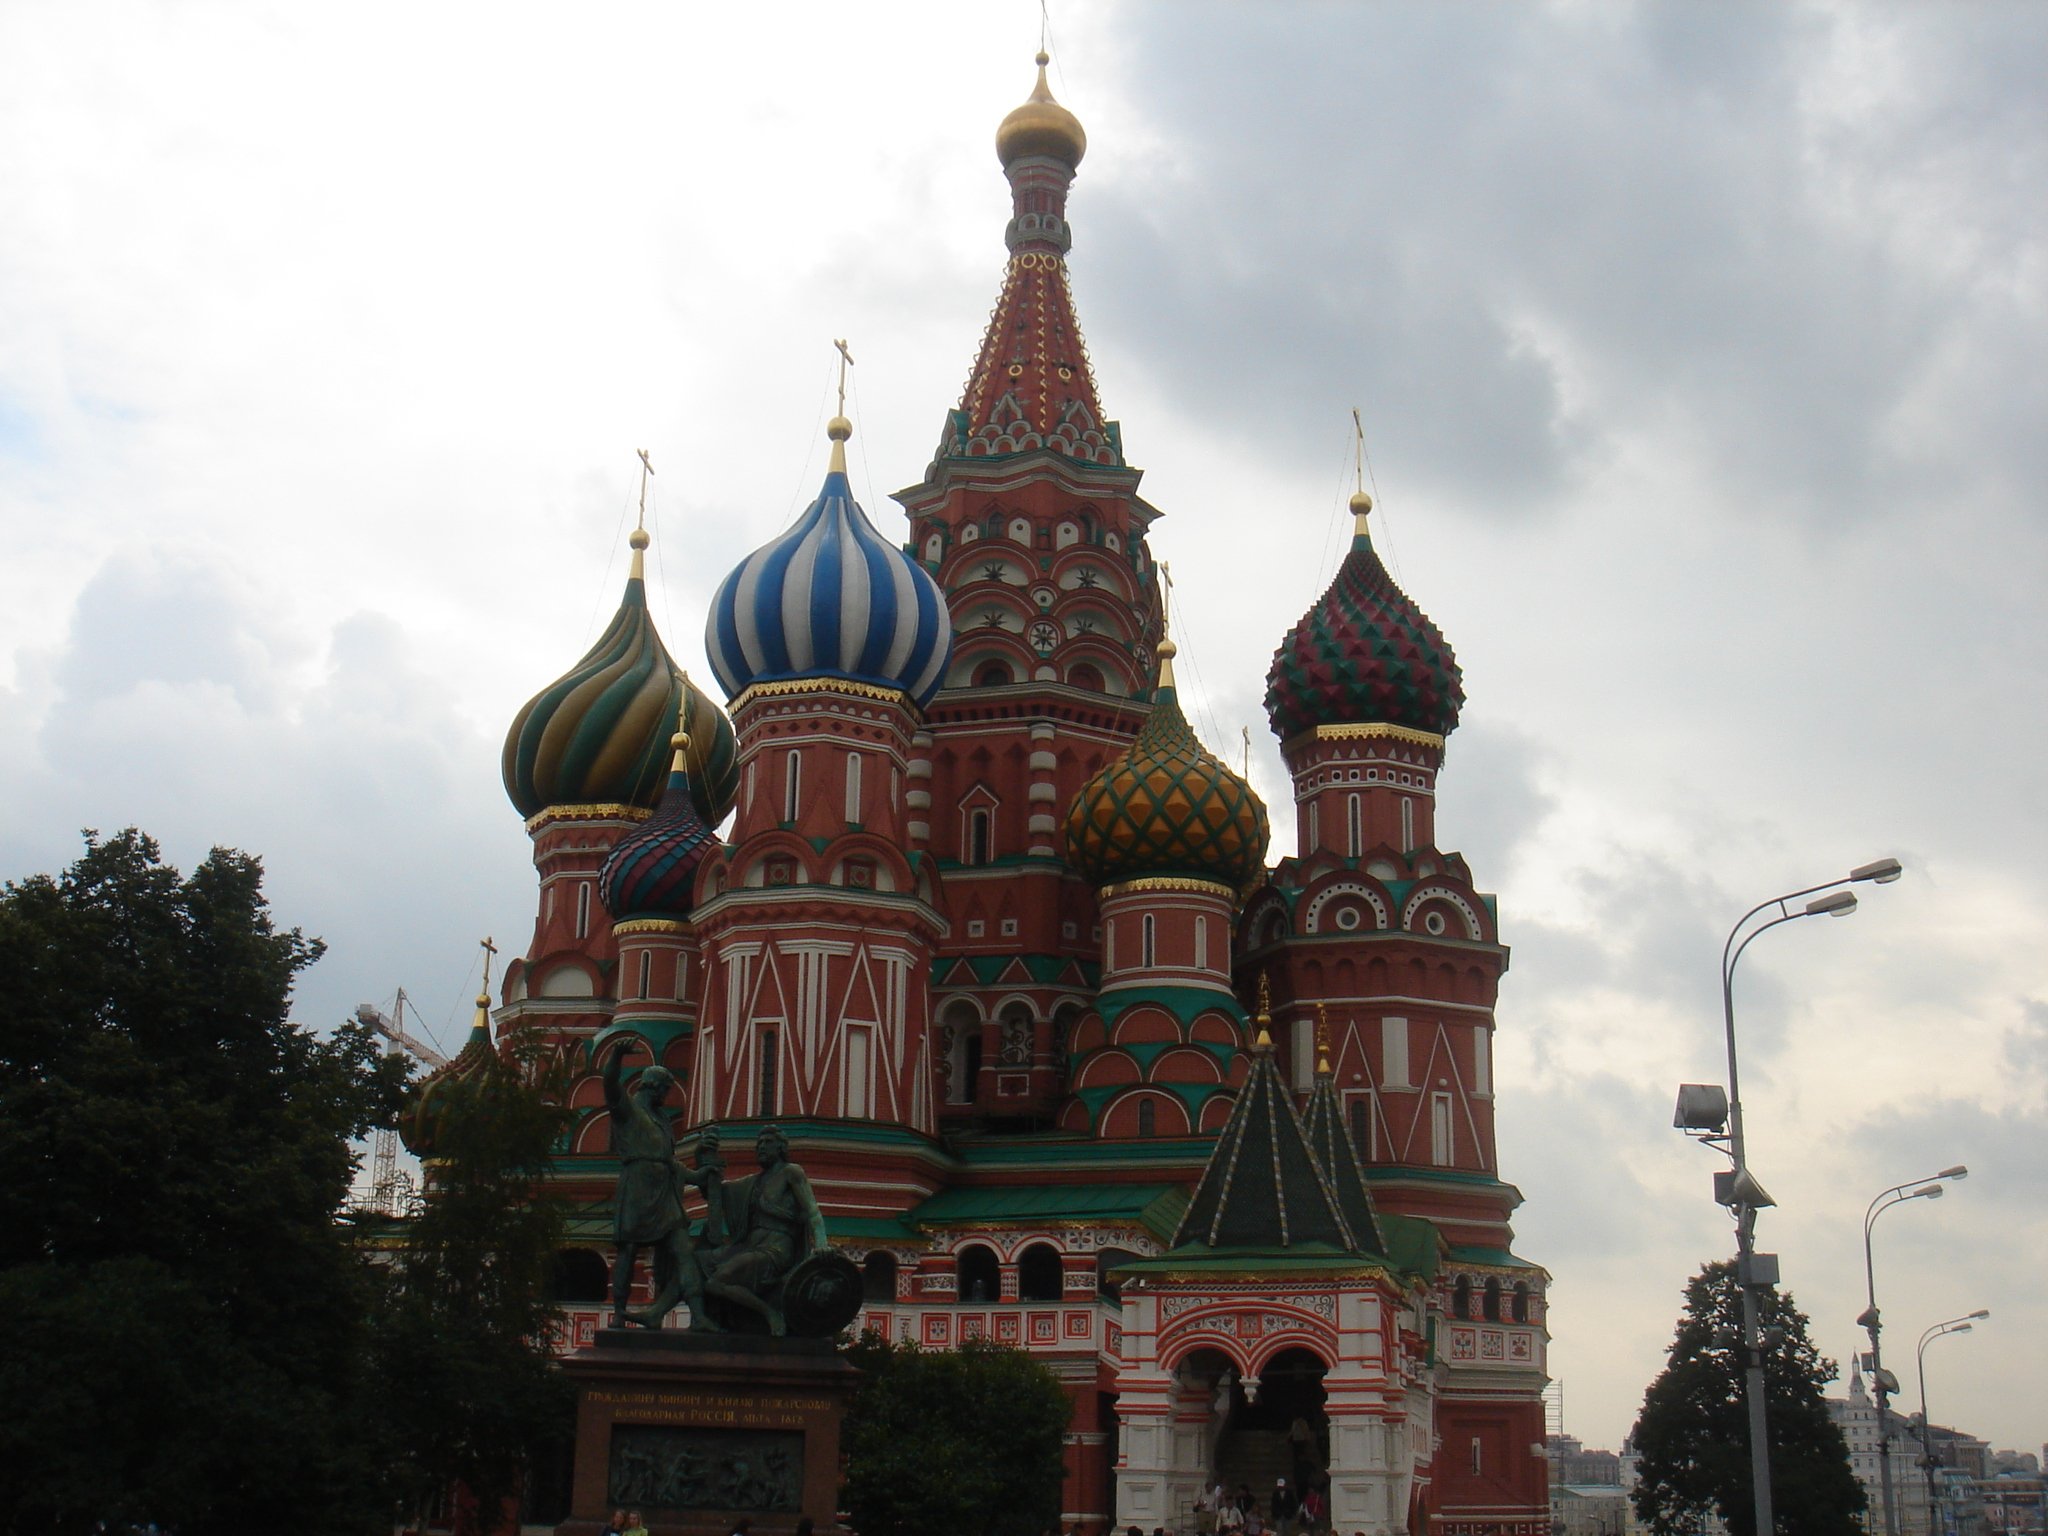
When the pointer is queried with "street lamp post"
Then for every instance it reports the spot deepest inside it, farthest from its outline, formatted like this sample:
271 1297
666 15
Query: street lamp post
1745 1196
1929 1188
1938 1331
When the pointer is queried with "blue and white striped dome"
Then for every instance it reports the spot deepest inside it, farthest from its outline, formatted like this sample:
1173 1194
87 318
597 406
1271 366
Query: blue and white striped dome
830 598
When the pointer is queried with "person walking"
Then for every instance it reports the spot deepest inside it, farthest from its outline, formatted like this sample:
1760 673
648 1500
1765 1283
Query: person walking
1286 1507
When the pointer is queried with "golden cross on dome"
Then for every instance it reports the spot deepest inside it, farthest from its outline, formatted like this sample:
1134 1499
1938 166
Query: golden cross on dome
646 471
1358 448
845 362
490 951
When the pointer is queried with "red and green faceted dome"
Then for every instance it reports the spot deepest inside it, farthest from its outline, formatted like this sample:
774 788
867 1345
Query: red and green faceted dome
599 735
1167 808
1364 654
652 870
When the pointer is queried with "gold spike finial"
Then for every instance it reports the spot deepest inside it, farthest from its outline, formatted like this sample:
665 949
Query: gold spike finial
1167 651
638 537
1322 1040
839 429
1361 500
1264 1016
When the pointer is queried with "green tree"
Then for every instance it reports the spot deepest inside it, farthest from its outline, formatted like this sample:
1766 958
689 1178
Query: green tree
465 1340
184 1323
1693 1433
953 1440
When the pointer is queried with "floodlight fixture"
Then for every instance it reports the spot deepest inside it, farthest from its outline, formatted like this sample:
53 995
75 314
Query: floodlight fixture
1702 1108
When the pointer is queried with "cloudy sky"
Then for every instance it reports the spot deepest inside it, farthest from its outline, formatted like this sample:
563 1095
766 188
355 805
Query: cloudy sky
1700 355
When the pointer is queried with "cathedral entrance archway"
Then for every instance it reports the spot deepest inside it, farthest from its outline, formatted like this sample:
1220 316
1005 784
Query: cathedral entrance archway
1277 1426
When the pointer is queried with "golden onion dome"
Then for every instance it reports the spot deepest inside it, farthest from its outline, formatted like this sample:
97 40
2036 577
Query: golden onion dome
1167 807
1041 127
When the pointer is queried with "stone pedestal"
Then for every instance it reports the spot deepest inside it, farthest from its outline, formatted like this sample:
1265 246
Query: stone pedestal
695 1430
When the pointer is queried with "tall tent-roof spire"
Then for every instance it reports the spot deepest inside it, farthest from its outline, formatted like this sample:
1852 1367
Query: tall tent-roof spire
1032 386
1263 1187
1329 1138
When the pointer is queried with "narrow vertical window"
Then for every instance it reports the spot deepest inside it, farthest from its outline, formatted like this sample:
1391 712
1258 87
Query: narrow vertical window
859 1068
1489 1305
1109 947
751 766
978 837
1315 824
1407 823
1440 1148
1478 1457
764 1045
792 786
1356 825
682 978
1201 943
1148 1117
1482 1062
582 909
1394 1053
1361 1125
1148 936
853 787
646 973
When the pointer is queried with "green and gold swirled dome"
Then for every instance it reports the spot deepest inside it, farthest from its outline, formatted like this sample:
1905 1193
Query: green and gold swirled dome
1167 808
599 735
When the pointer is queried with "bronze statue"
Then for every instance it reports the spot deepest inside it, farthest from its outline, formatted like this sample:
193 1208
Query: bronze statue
761 1262
775 1225
648 1204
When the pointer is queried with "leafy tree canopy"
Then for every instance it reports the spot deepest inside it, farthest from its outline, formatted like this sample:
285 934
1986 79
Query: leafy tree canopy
469 1314
1693 1433
955 1440
183 1320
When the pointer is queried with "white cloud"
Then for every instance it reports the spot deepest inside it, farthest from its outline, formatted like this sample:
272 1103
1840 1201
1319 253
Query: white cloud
1699 352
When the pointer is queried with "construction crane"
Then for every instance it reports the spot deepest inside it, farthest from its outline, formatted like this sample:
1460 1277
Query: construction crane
390 1189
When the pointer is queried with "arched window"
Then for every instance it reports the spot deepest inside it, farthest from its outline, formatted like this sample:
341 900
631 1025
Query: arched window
980 837
1518 1305
646 972
1407 824
1038 1273
853 787
580 1275
1315 823
1106 1262
1201 943
1461 1297
1356 825
878 1277
1149 932
1148 1117
979 1278
1361 1125
582 909
992 674
792 785
1492 1301
1086 676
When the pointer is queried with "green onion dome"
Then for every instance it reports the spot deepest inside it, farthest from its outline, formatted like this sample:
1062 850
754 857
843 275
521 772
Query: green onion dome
420 1118
1167 807
599 735
1364 654
652 870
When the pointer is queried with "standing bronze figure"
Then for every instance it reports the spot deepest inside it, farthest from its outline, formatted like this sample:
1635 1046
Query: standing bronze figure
648 1206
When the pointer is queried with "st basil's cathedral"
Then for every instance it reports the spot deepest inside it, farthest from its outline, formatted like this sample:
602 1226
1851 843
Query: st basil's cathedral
992 936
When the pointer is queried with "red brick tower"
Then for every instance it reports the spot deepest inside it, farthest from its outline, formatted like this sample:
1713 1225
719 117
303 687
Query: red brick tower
1030 520
1375 926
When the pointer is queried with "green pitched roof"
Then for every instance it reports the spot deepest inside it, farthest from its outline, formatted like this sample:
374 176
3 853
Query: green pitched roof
1263 1187
1153 1206
1329 1138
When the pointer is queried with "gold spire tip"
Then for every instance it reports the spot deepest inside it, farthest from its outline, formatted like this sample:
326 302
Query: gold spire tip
1264 1042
